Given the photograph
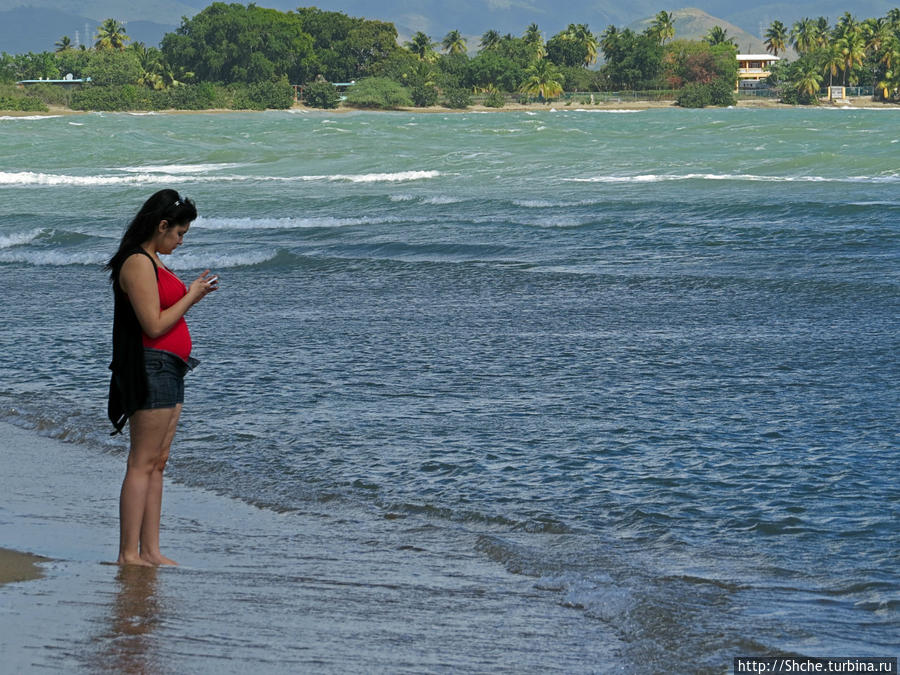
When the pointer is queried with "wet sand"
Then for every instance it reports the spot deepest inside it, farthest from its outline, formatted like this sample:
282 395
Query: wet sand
334 588
16 566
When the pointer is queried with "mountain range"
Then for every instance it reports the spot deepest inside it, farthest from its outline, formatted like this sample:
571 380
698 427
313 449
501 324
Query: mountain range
37 25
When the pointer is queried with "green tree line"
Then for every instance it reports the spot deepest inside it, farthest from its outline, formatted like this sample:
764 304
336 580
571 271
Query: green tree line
851 52
244 56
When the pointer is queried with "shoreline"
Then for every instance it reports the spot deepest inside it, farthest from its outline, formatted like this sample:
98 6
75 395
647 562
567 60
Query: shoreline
16 566
855 103
328 587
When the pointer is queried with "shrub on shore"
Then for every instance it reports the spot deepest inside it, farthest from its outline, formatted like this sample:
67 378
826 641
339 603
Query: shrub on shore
22 104
114 99
697 95
495 100
379 93
457 98
204 96
263 95
50 94
424 95
321 95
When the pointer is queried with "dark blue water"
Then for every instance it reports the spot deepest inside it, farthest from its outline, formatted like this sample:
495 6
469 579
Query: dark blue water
649 360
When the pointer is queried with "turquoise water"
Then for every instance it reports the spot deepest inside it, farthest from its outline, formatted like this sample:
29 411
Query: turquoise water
646 360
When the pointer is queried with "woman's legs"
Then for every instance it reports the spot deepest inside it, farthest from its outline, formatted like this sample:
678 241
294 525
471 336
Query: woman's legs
140 502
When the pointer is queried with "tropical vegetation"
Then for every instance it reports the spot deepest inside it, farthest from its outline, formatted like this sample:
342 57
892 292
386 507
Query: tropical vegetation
245 56
849 53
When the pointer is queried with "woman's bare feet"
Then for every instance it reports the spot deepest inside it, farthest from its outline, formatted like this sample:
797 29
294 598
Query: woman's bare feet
123 560
158 559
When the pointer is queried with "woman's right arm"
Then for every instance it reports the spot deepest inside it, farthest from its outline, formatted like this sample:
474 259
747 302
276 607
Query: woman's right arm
138 279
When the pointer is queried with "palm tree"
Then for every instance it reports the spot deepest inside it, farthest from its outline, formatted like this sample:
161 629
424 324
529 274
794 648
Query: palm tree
823 31
156 72
63 44
663 27
581 35
891 54
490 41
533 38
454 43
609 40
718 36
893 17
532 34
890 85
846 25
776 37
877 34
832 61
853 49
809 83
804 35
422 46
542 79
111 35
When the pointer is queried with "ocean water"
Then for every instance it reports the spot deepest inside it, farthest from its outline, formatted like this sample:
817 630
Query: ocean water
643 362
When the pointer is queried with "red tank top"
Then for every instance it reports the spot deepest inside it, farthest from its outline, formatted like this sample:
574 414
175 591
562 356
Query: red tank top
178 339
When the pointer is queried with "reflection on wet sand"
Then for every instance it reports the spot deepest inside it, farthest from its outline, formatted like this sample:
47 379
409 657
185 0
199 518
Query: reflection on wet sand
127 644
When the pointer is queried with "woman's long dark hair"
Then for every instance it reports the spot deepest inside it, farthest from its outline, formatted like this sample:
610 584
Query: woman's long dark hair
165 205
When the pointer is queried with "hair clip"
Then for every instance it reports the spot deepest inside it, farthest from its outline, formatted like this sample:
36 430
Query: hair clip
177 202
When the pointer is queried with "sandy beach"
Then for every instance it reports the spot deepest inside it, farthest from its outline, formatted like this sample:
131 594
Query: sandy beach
762 103
16 566
345 591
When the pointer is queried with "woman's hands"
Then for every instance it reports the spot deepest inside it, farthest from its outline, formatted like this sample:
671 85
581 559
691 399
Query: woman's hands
202 286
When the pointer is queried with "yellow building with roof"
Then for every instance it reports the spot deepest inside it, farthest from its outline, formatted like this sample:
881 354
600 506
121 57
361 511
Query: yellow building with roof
753 69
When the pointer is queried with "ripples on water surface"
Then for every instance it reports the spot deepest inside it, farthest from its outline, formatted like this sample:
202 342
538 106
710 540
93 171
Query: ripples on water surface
648 359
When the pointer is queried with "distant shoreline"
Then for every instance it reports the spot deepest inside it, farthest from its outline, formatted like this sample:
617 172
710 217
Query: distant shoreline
860 102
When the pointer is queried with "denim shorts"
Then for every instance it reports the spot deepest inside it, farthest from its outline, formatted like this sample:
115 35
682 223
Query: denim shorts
165 378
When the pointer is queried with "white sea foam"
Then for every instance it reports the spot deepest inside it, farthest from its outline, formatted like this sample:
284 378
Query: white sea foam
536 203
660 178
148 178
440 200
607 112
203 260
401 176
28 117
182 261
436 200
34 178
178 169
886 108
19 239
555 222
283 223
51 258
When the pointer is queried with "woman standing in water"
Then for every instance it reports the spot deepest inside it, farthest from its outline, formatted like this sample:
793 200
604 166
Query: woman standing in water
151 354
